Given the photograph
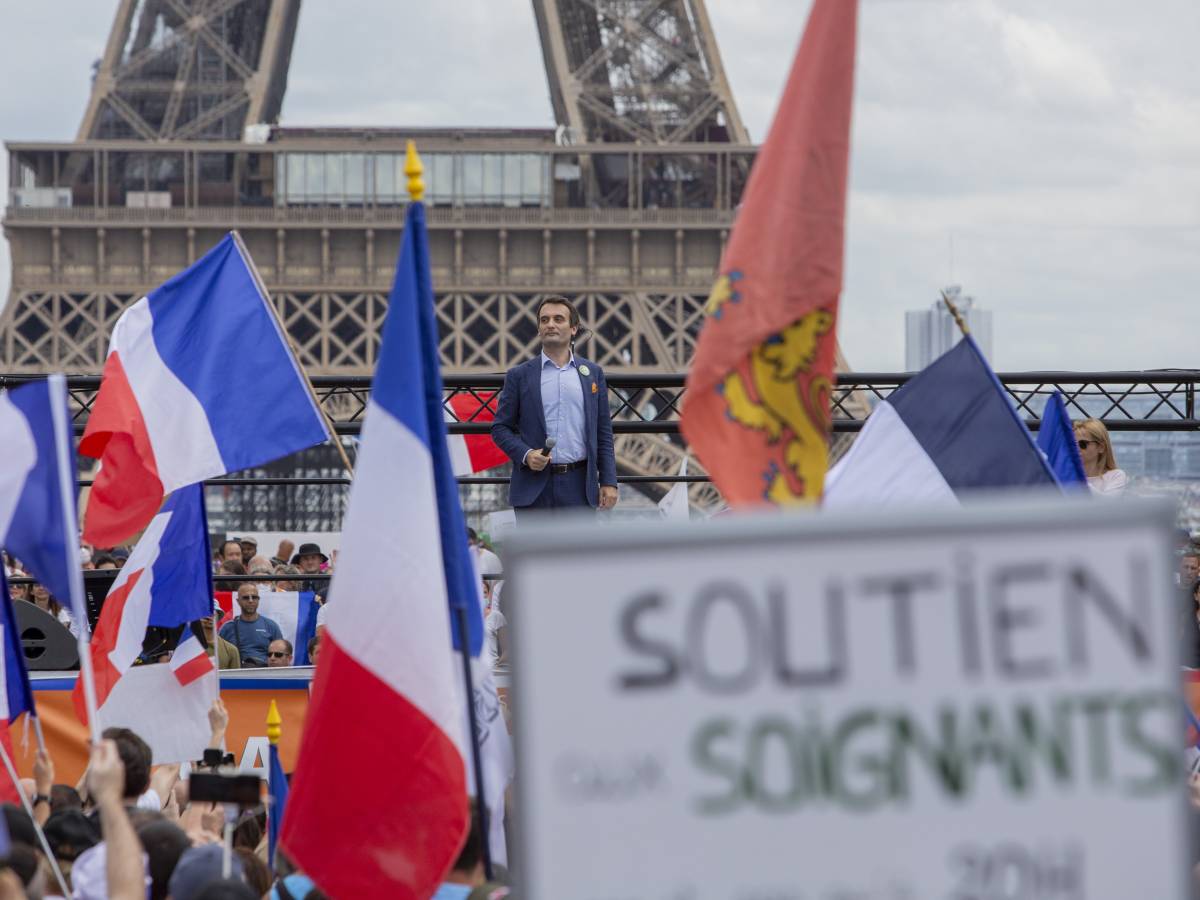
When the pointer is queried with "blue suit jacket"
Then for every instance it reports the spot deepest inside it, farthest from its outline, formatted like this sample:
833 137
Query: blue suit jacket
520 426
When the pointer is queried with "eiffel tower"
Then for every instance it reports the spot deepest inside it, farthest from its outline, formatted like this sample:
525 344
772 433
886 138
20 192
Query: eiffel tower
625 206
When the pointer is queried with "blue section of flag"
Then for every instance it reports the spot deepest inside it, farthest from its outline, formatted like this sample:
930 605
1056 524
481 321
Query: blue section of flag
306 626
211 322
408 384
16 676
277 789
1056 438
41 536
182 590
959 413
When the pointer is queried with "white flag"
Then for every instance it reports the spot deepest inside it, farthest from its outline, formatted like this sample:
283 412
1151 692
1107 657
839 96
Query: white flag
674 506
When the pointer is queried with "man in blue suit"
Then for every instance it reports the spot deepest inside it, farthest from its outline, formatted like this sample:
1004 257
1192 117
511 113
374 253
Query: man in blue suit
561 396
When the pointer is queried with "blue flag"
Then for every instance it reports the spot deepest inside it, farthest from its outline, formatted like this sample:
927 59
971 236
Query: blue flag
277 790
414 287
38 520
17 696
1056 438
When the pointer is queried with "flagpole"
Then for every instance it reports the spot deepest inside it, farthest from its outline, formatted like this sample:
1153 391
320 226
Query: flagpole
12 774
312 392
67 486
955 314
476 752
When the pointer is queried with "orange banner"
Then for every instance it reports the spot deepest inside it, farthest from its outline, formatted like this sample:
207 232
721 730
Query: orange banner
247 700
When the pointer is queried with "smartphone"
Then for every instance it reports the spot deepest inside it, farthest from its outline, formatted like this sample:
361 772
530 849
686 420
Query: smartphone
244 790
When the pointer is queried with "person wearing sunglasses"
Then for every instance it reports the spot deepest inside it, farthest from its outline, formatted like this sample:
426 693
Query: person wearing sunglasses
279 654
251 633
1099 464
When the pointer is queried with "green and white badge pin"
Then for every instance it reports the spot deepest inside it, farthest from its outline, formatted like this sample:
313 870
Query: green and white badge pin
583 370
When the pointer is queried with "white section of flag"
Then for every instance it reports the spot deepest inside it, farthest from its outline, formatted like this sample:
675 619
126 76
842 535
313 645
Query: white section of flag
170 717
284 608
178 427
886 465
190 660
135 614
397 629
20 456
460 457
674 506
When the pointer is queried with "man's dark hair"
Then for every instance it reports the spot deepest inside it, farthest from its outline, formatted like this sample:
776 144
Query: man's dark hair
312 645
472 534
64 797
20 826
472 849
70 833
164 842
233 567
572 312
135 757
103 559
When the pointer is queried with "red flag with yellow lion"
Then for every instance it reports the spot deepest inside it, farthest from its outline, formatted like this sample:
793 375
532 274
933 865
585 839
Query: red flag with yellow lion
756 410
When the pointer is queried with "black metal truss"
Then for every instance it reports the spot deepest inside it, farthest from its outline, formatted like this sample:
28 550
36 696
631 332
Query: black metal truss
1155 400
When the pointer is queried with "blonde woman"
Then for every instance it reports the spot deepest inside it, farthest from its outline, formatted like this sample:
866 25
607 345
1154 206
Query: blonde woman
1103 476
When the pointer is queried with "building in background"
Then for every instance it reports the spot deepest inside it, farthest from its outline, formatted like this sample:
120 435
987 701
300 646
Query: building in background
928 333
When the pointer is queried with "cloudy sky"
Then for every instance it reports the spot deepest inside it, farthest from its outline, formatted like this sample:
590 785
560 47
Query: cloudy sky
1045 155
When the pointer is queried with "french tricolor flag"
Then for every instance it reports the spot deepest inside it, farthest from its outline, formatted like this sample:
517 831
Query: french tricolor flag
166 582
295 612
38 520
16 696
386 686
471 453
199 382
948 431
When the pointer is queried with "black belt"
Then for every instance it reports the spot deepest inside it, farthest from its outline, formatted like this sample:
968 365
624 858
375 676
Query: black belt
564 468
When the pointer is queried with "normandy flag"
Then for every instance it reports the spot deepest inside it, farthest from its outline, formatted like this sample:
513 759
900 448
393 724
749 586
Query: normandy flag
756 410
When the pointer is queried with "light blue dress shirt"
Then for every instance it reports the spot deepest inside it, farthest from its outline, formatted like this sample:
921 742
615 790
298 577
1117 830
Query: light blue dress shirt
562 402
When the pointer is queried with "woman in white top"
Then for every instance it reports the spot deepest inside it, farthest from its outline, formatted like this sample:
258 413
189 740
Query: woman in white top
41 598
1103 476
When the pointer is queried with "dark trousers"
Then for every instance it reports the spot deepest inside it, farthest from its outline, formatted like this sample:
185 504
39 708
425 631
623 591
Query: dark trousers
564 493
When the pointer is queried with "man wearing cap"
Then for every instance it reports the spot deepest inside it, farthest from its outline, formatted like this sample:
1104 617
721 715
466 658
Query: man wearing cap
560 401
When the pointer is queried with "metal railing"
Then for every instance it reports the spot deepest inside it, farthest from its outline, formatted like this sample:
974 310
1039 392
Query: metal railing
1154 400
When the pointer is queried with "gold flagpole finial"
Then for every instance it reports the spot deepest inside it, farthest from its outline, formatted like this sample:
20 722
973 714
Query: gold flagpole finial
413 169
274 724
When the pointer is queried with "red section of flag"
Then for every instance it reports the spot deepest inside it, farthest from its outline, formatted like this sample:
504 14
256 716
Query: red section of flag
9 792
756 410
416 814
127 491
189 661
104 639
225 601
479 406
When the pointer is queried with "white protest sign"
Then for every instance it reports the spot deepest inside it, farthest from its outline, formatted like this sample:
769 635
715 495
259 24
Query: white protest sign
977 704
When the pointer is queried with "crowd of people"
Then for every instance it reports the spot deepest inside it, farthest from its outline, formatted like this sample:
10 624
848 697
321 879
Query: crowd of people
129 830
249 639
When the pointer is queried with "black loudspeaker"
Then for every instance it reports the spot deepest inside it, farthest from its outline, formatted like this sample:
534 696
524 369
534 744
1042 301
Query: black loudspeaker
49 645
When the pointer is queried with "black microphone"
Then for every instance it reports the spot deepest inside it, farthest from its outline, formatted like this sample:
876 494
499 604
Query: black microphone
549 445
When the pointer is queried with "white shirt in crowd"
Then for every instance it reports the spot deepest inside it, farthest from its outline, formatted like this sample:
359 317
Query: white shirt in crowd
1111 484
491 644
